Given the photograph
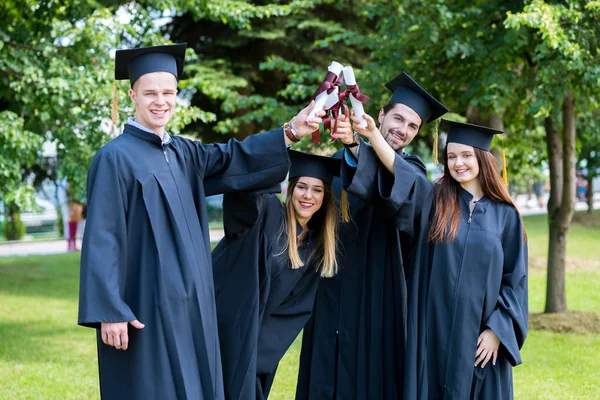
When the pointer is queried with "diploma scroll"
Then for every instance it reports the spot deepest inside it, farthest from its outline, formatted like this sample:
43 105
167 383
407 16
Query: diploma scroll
332 99
357 105
327 88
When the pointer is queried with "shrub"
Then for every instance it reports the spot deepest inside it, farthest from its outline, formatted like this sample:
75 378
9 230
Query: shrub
13 228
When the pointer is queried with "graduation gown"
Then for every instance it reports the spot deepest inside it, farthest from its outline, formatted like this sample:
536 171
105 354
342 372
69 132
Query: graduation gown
146 256
353 346
262 304
459 289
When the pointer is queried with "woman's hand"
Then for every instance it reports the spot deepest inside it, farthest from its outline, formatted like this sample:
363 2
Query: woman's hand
304 127
487 347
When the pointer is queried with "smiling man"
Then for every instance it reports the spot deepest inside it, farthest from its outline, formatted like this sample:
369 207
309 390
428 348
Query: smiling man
146 276
353 346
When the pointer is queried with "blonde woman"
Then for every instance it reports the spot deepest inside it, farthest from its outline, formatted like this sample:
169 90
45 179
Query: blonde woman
267 269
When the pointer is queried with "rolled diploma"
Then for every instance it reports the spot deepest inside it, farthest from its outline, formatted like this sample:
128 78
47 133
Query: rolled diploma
357 106
321 99
332 99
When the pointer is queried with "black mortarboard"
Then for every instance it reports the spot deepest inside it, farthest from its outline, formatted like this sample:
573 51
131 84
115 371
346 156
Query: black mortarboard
323 168
469 134
133 63
409 93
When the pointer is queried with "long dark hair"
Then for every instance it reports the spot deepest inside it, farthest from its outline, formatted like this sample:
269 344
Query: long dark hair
447 200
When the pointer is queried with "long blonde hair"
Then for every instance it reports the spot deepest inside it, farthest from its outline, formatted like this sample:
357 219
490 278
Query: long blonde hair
325 247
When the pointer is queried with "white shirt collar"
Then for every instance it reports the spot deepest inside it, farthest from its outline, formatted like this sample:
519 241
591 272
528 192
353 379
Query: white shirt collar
166 138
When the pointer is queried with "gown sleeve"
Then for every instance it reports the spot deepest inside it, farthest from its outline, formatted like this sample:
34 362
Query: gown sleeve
241 273
257 161
104 251
509 320
404 193
361 179
241 209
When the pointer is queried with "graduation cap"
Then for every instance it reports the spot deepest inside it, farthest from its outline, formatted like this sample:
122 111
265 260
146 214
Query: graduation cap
323 168
470 134
476 136
133 63
304 164
408 92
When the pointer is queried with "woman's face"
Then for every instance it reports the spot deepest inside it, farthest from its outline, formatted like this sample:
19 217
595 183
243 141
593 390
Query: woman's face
307 198
462 163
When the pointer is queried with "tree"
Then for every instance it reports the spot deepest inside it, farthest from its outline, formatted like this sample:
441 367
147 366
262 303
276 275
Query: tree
56 84
564 58
259 62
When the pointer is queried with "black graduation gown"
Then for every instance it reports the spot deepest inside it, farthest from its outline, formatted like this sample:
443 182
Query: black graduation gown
262 304
459 289
353 346
146 256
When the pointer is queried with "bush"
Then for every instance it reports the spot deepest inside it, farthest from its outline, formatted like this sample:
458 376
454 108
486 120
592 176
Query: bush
13 228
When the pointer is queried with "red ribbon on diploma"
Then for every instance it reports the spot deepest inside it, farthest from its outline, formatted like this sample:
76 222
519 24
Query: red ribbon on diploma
328 85
355 91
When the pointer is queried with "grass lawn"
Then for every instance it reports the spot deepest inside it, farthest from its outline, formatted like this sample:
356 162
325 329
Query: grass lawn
45 355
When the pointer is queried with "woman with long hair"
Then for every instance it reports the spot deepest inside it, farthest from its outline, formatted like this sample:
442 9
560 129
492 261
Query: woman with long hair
267 269
468 279
467 274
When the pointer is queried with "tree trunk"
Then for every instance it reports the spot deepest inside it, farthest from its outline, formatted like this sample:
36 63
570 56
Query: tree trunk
590 194
561 203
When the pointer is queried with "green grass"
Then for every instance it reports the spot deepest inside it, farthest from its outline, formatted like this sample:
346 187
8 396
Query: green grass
558 367
45 355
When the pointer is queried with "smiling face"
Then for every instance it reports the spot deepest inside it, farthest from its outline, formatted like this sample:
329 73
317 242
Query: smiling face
399 125
462 163
154 96
307 198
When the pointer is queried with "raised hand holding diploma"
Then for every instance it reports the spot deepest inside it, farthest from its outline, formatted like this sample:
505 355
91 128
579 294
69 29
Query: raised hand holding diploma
301 125
384 151
307 120
357 99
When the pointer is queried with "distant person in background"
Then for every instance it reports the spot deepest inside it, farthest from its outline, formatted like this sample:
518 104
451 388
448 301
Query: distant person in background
581 187
539 190
81 226
75 216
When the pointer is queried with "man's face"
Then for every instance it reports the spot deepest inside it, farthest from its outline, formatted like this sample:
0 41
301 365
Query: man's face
399 125
154 96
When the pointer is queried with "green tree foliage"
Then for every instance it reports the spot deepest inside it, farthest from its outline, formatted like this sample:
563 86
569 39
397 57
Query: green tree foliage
260 62
56 82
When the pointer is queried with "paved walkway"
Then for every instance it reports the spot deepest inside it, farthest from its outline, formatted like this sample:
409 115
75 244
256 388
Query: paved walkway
22 248
531 207
30 247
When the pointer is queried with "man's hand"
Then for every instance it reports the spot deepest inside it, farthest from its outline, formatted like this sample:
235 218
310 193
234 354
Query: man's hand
370 131
301 126
487 347
344 130
115 333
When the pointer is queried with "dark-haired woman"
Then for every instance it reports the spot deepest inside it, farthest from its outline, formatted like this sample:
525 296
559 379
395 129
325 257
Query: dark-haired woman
267 270
467 279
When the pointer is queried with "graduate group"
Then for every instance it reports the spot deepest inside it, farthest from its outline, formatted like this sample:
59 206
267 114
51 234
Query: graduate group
403 288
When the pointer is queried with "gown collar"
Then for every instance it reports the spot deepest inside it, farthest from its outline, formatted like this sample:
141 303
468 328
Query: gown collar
313 227
466 196
140 134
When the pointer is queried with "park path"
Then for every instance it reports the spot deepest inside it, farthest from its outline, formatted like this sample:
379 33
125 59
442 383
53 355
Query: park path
30 247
